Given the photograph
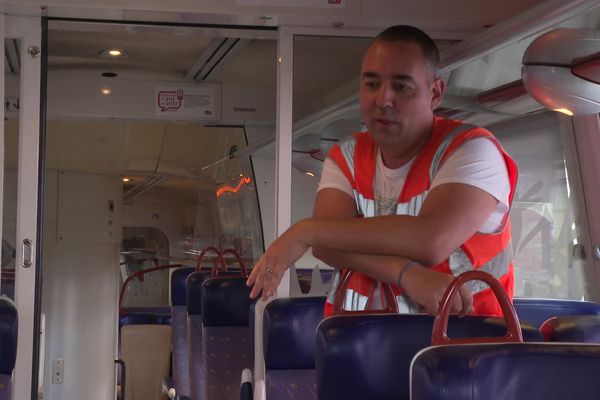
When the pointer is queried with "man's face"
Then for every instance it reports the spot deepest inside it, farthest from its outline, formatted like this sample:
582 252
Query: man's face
398 93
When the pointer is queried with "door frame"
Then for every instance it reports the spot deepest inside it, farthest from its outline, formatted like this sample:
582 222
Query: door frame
28 30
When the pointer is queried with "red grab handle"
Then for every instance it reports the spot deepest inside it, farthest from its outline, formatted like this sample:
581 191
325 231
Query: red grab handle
338 309
440 325
203 253
221 260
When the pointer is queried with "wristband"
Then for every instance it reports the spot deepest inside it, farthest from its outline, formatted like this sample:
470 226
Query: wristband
408 266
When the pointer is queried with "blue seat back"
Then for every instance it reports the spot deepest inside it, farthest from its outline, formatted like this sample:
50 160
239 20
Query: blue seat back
368 356
178 292
8 336
179 344
290 327
193 291
195 361
225 302
536 311
139 318
289 330
532 371
225 336
577 328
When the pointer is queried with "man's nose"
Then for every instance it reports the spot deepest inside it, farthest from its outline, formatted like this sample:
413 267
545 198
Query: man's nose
385 96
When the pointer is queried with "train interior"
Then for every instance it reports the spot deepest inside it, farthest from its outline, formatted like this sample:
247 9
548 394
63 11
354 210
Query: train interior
161 174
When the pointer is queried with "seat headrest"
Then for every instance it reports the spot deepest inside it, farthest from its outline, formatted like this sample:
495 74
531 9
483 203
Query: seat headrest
368 356
8 335
290 326
225 302
178 277
574 328
140 319
193 291
533 371
536 311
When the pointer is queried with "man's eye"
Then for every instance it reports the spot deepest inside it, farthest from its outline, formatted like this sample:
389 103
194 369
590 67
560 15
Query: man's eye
371 84
403 89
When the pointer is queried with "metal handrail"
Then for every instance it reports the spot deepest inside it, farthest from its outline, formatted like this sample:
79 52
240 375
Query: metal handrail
140 274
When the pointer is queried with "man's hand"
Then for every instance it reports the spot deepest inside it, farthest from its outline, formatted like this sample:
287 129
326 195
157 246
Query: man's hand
427 287
283 252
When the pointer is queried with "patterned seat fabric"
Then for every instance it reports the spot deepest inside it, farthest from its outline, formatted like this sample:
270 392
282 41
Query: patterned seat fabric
195 352
225 335
179 345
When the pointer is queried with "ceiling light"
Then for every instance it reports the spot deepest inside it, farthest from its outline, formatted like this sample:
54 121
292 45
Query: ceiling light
125 180
565 111
113 53
106 91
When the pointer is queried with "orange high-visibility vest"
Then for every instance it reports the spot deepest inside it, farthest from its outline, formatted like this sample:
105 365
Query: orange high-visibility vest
489 252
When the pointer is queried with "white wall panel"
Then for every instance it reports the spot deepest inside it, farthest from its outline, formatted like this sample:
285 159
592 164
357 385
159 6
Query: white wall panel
80 294
89 208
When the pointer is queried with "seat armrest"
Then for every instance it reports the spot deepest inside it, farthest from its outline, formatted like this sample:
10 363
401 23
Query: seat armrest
168 388
260 390
246 385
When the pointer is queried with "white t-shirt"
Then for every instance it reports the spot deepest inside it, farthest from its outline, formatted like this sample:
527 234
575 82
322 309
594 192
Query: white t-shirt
477 162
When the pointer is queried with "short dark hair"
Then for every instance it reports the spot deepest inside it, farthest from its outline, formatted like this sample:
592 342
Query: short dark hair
407 33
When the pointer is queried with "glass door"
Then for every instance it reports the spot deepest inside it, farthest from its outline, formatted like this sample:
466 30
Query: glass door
20 158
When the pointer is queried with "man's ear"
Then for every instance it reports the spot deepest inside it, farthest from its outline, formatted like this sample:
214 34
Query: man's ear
438 86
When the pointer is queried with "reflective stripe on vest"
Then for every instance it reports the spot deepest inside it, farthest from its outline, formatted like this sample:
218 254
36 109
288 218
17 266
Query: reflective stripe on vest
498 266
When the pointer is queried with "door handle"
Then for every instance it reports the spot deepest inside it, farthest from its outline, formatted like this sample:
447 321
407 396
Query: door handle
26 248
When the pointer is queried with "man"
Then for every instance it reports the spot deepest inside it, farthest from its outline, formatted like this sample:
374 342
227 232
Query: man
434 194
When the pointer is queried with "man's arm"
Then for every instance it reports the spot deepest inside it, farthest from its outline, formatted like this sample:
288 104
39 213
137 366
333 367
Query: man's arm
424 286
451 214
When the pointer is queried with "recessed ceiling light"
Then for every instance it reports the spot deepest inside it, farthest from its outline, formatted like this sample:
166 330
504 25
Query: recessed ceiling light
106 91
113 53
125 179
565 111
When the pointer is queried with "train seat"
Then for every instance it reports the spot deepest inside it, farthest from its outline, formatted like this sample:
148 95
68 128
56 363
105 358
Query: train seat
147 320
179 344
369 356
536 311
196 373
532 371
8 345
574 328
146 350
290 327
225 307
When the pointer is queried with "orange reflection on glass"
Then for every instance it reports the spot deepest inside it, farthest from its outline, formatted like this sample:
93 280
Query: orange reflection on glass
228 189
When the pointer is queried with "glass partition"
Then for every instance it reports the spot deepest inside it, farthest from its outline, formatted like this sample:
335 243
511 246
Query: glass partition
326 78
544 218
